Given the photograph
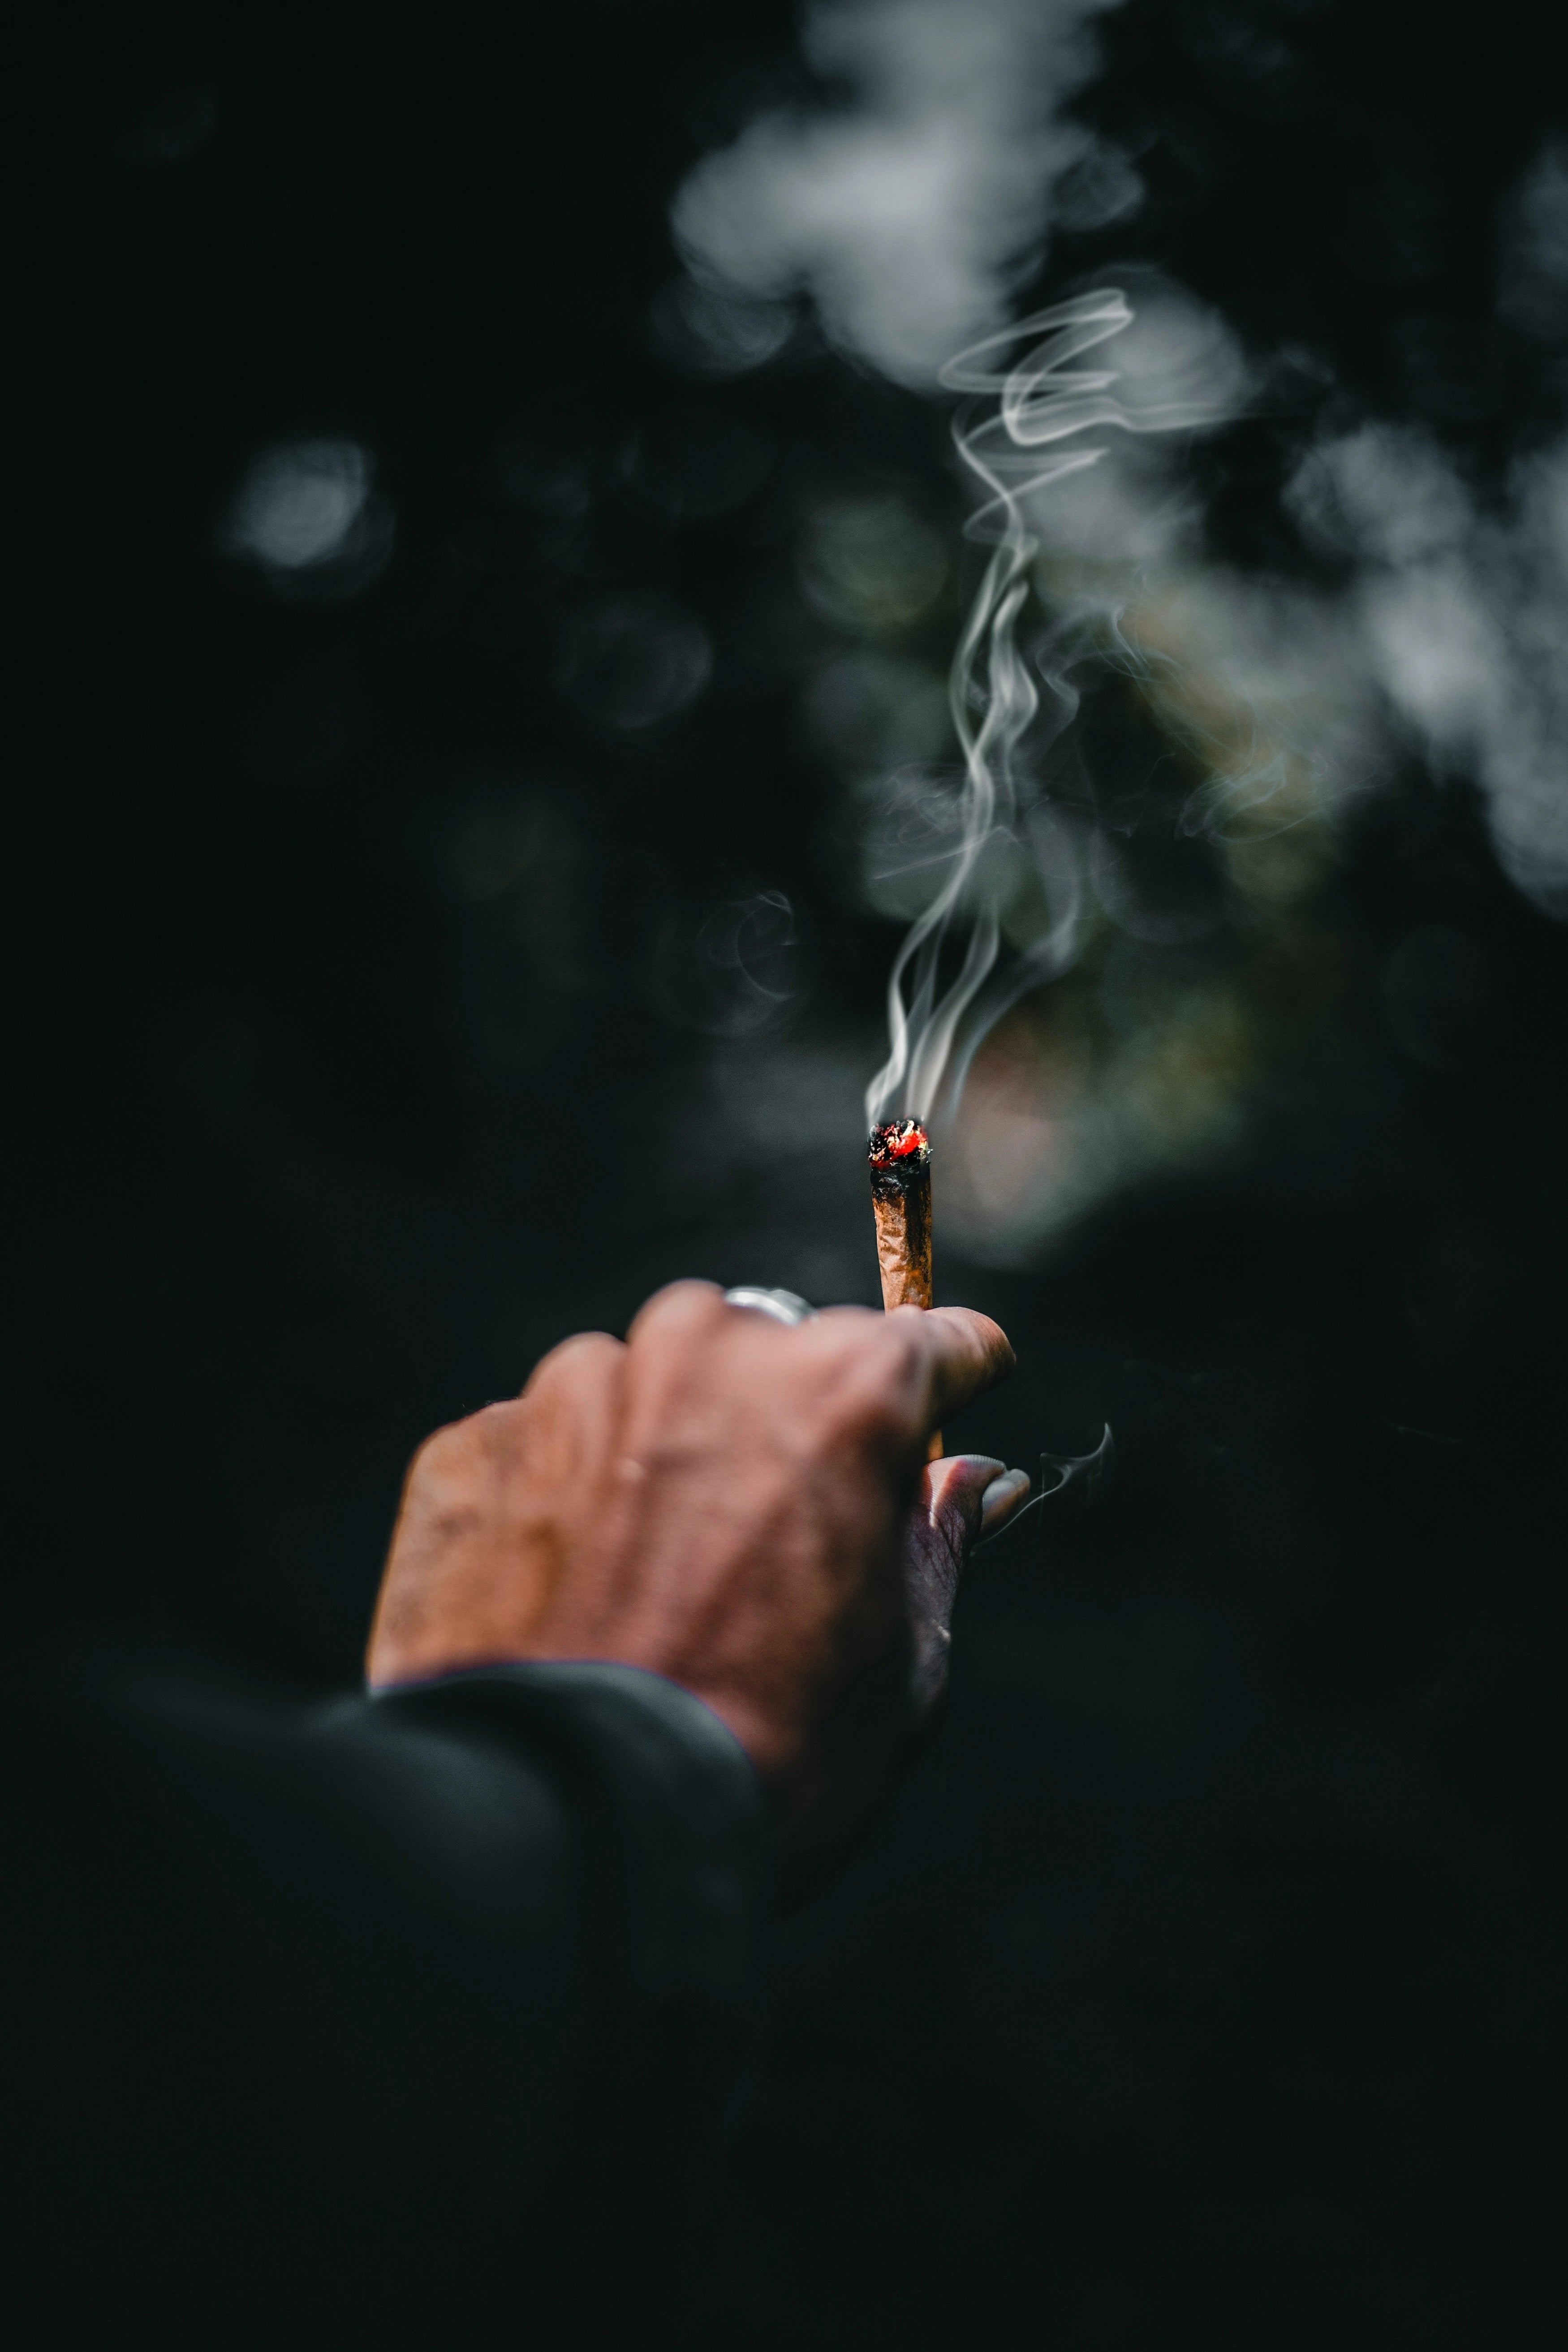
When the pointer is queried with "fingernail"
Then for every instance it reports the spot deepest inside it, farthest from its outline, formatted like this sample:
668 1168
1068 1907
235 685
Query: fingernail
1000 1493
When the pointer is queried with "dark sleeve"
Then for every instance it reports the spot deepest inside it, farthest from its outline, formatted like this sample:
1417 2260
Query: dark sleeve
438 1994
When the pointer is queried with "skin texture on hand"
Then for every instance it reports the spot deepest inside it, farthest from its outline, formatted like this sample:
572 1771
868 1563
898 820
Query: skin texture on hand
738 1505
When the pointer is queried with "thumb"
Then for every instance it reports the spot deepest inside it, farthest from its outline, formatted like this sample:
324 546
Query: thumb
960 1496
968 1496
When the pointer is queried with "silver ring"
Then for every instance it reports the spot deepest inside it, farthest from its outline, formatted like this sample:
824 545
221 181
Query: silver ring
784 1305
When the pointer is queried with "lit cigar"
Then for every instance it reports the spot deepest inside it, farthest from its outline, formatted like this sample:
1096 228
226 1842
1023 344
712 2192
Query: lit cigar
900 1158
899 1162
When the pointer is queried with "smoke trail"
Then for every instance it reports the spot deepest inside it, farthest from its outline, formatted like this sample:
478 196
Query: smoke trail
1039 401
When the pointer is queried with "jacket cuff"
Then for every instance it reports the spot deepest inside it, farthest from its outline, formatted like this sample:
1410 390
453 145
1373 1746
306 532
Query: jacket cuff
663 1792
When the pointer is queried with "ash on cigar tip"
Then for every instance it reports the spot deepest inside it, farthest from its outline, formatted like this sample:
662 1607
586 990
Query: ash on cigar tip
900 1143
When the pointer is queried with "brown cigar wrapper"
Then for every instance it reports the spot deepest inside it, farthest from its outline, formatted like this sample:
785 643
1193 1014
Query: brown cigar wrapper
902 1212
903 1246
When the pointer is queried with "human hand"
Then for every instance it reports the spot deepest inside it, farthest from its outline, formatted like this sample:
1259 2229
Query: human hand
740 1506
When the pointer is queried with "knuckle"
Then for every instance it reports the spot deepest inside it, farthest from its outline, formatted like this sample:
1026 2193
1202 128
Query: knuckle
679 1309
462 1450
570 1406
580 1362
441 1456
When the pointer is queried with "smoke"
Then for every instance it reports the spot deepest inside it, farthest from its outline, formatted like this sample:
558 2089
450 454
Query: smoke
909 209
908 214
1010 437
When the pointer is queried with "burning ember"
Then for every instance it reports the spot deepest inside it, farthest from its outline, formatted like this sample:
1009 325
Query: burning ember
900 1139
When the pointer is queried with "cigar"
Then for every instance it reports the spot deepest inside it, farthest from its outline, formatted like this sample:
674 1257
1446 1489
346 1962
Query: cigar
900 1160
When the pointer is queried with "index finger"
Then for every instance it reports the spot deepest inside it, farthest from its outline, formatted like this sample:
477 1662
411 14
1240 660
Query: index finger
967 1354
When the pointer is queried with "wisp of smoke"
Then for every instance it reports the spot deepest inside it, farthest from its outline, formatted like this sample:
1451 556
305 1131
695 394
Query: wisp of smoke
1009 434
907 205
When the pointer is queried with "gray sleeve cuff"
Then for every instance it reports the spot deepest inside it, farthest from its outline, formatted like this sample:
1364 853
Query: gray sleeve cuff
659 1790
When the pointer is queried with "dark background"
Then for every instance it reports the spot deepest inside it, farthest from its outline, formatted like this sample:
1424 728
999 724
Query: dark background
1203 1978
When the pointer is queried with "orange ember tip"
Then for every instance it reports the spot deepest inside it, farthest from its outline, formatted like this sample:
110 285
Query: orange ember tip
900 1139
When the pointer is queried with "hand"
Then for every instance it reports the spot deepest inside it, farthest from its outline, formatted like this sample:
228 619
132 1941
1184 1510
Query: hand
740 1506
